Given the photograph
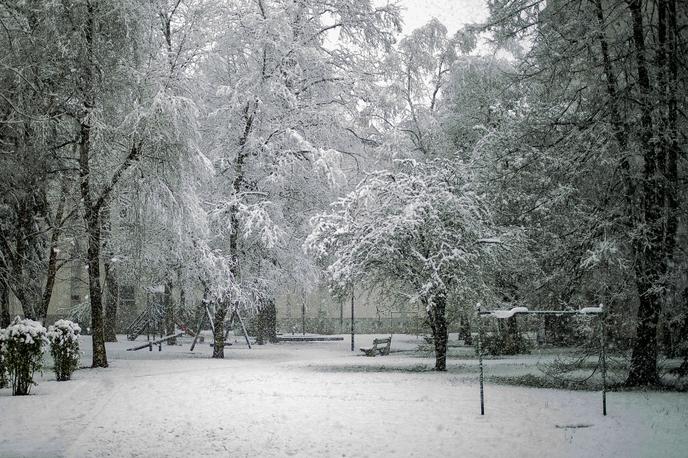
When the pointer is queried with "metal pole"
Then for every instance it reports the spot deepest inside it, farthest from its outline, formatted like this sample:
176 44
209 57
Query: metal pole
352 317
303 316
417 320
148 317
480 362
210 318
198 331
604 363
243 328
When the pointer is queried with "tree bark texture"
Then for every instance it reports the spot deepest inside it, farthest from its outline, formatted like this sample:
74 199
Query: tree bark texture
438 324
111 285
52 256
5 318
654 253
91 212
219 330
111 302
221 311
266 323
652 195
169 314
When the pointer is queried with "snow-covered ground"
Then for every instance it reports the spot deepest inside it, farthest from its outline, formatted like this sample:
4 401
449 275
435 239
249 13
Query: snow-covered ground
320 399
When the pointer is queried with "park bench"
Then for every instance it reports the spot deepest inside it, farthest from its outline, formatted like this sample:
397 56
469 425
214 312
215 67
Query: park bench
380 346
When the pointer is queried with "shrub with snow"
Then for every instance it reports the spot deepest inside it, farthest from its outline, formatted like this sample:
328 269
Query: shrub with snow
22 344
64 347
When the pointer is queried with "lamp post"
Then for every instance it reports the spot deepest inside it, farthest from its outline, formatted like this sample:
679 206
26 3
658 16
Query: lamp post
352 317
480 362
303 316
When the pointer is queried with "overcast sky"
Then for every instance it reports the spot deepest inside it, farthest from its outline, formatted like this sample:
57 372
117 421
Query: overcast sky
452 13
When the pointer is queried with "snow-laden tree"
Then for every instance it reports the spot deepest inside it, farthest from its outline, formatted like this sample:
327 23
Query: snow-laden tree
33 169
406 107
606 85
281 91
125 109
157 241
422 230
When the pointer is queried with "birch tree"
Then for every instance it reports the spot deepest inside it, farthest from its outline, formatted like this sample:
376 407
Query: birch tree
279 111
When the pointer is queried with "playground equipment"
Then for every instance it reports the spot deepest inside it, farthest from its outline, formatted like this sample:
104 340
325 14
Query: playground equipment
207 315
283 338
150 320
503 314
157 342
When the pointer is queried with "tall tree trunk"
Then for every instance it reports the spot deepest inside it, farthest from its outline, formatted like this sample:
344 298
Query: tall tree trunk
618 123
111 302
95 293
169 313
271 320
219 330
221 311
52 257
671 136
466 329
438 323
111 285
93 205
5 318
644 355
20 290
682 331
652 255
266 323
655 208
91 209
182 291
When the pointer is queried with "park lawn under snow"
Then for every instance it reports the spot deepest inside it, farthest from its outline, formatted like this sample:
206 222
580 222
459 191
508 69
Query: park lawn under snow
319 399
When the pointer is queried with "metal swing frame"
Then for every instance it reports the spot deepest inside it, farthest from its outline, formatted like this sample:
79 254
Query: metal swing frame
599 312
209 316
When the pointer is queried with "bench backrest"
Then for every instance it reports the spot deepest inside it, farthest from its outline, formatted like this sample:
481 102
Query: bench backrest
382 341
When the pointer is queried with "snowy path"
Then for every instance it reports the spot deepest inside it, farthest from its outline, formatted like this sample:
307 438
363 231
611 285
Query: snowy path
319 400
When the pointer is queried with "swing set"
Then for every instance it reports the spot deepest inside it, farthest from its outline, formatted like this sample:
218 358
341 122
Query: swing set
209 316
598 312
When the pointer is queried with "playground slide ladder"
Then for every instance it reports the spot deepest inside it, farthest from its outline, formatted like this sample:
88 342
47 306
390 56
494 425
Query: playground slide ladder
137 326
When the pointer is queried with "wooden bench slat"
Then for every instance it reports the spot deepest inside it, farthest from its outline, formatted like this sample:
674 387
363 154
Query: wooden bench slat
380 346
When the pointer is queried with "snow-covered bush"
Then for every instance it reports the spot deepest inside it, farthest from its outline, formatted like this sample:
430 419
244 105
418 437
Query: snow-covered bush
64 347
22 344
508 340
